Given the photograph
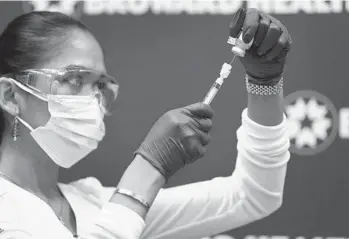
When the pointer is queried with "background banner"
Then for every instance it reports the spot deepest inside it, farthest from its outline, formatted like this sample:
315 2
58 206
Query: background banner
166 54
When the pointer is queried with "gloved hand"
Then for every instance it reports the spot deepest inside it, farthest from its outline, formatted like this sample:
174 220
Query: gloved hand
264 62
178 138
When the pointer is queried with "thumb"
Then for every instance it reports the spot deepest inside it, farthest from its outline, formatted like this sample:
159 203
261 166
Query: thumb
200 110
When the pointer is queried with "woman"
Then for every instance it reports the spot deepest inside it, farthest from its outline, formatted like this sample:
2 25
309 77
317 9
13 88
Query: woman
54 94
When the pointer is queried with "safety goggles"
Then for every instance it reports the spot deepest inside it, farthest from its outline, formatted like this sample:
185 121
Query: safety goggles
71 81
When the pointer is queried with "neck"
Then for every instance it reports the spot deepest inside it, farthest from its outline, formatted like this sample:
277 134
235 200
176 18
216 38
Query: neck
28 166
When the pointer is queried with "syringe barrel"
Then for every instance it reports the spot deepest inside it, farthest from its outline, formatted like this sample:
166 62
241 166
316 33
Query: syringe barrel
212 93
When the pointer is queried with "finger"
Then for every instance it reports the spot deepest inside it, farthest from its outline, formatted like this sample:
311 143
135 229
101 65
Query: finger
189 136
276 50
273 19
200 110
237 22
200 151
283 53
204 124
262 30
205 138
250 26
191 131
270 39
193 145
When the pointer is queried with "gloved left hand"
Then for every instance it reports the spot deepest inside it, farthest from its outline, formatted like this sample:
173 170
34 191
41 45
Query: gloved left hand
264 62
178 138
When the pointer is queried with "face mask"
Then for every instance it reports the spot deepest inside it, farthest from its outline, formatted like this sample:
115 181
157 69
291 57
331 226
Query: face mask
74 129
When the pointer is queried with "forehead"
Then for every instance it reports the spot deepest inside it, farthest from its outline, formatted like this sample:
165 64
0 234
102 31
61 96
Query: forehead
81 49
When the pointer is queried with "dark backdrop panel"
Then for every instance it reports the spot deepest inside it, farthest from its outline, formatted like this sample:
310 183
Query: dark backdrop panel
167 61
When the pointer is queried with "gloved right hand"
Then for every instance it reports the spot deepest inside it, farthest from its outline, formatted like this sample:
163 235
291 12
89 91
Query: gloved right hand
264 62
178 138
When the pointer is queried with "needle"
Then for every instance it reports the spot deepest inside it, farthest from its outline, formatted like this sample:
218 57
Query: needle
231 62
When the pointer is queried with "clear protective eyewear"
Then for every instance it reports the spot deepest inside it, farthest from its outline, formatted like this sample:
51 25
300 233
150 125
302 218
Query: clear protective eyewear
72 81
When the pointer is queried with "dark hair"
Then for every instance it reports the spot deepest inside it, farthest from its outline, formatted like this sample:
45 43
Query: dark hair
29 40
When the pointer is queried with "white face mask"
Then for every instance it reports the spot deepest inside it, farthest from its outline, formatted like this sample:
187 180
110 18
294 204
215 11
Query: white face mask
74 129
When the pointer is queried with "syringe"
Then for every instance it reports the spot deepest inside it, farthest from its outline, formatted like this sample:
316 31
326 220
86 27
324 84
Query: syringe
225 71
239 48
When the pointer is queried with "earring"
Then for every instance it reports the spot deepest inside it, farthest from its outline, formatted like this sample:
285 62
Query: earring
15 129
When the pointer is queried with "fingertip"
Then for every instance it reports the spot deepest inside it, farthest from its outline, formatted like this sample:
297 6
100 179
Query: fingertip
247 36
209 138
250 25
240 13
237 22
278 48
270 57
270 40
263 27
284 53
202 151
260 52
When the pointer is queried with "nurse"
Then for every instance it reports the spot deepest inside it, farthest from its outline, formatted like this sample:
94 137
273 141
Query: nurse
54 95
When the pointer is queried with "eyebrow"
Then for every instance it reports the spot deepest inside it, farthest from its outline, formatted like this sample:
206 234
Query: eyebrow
77 66
73 66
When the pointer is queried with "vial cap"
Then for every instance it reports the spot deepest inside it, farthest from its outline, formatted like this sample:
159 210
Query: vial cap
238 51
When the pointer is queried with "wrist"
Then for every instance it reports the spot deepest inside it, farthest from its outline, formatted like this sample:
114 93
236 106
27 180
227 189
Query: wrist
267 110
138 186
149 174
267 80
143 179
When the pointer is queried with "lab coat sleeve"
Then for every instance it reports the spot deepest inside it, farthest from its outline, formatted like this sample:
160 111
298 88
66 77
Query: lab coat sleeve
252 192
112 221
117 222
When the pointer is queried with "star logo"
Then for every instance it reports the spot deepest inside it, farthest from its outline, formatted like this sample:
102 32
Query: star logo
312 122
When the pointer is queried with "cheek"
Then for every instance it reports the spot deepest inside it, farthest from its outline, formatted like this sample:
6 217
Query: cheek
36 112
60 89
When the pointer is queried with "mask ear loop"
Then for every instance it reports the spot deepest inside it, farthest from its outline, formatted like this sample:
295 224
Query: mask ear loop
25 124
29 90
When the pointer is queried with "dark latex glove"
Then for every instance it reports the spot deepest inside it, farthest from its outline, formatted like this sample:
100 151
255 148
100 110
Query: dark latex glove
264 62
178 138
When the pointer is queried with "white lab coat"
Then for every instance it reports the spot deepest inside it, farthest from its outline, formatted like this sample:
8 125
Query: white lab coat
253 191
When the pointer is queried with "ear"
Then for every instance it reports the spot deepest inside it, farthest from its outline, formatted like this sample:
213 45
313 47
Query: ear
8 91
